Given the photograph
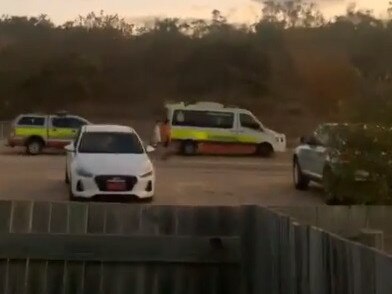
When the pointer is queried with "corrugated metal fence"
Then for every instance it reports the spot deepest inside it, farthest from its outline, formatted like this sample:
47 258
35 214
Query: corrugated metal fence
346 221
284 257
117 248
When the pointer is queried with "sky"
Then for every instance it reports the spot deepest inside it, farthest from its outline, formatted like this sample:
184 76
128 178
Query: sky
236 10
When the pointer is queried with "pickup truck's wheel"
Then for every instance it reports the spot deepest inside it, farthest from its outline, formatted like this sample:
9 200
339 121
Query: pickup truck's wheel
189 148
265 150
301 182
71 195
34 146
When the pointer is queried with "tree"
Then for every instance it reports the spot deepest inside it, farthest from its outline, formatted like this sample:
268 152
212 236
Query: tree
291 56
292 13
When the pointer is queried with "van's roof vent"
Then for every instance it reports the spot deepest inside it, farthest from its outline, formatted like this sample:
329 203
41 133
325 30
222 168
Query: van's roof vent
62 113
177 104
209 104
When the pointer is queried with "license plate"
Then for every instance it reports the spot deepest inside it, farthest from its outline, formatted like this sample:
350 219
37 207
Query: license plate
116 185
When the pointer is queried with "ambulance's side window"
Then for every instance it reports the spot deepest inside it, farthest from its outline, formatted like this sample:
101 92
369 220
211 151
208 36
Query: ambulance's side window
249 122
203 119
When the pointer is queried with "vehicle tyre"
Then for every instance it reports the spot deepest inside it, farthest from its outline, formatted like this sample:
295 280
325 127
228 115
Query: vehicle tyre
70 193
189 148
66 178
265 150
34 146
330 183
301 182
146 200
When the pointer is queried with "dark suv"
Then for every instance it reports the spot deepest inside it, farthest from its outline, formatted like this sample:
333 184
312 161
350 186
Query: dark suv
352 161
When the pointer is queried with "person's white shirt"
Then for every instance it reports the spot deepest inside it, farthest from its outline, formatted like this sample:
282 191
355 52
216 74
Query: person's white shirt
156 136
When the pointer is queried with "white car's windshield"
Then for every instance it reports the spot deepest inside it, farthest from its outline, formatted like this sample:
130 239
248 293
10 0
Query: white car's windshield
106 142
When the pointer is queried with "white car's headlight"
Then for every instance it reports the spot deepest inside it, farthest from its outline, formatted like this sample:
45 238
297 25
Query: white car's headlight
147 174
84 173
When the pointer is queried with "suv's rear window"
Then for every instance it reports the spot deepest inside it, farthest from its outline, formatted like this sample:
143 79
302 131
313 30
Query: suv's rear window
67 122
31 121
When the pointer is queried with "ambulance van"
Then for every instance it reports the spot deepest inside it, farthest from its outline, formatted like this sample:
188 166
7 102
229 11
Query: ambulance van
212 128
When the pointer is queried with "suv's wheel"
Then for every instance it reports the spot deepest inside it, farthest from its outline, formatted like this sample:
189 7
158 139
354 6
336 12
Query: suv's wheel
301 182
265 150
34 146
189 148
330 183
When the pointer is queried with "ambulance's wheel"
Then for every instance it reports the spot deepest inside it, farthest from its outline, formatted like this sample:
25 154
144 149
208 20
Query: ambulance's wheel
34 146
189 148
265 150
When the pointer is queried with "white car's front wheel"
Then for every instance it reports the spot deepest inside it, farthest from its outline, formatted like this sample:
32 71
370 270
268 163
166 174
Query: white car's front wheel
147 200
71 195
66 177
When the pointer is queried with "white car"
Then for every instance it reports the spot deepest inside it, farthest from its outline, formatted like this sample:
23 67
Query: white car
109 160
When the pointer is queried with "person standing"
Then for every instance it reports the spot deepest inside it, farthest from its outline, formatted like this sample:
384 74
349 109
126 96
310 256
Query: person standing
156 135
165 139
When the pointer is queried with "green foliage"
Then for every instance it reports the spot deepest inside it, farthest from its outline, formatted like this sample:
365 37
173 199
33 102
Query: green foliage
361 161
340 69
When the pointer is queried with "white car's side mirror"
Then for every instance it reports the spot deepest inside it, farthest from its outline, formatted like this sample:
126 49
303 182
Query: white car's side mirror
150 149
70 148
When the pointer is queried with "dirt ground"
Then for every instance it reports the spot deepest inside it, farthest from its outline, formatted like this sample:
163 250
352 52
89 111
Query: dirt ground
198 180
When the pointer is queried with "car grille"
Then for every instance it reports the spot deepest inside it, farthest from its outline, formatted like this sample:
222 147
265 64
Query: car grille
101 181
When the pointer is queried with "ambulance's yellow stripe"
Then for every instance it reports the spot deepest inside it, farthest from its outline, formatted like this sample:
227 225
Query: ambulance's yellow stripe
59 134
249 139
27 132
214 136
